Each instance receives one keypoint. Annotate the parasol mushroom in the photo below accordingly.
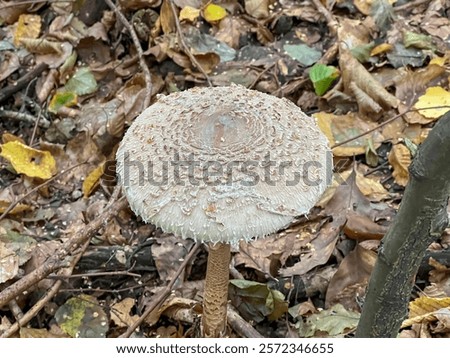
(221, 165)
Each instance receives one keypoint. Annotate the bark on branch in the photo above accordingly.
(421, 219)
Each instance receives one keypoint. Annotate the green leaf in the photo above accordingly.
(335, 321)
(322, 77)
(302, 53)
(82, 82)
(362, 52)
(255, 301)
(82, 317)
(62, 98)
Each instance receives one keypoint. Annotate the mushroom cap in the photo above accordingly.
(223, 164)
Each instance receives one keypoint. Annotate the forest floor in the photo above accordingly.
(74, 259)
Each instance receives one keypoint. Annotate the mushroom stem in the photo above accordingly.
(214, 320)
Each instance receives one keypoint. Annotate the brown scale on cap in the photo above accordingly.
(216, 165)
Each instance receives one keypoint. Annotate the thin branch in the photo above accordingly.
(185, 47)
(163, 294)
(382, 124)
(22, 82)
(410, 5)
(140, 52)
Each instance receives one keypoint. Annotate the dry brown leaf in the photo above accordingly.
(371, 187)
(28, 27)
(167, 19)
(348, 284)
(361, 228)
(340, 128)
(400, 159)
(425, 309)
(259, 9)
(168, 253)
(230, 29)
(370, 94)
(9, 65)
(121, 313)
(365, 6)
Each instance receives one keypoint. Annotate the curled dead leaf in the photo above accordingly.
(400, 159)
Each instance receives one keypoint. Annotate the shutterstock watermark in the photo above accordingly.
(191, 170)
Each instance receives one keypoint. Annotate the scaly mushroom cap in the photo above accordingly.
(223, 164)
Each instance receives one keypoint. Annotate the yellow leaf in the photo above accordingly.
(28, 26)
(29, 161)
(19, 208)
(338, 128)
(424, 309)
(440, 61)
(382, 48)
(213, 13)
(189, 13)
(92, 180)
(400, 159)
(434, 97)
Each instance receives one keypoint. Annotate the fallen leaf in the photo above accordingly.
(259, 9)
(19, 208)
(189, 13)
(62, 99)
(348, 285)
(339, 128)
(82, 317)
(359, 227)
(28, 26)
(29, 161)
(26, 332)
(334, 322)
(434, 97)
(358, 82)
(121, 313)
(166, 18)
(322, 77)
(304, 54)
(82, 82)
(400, 159)
(256, 301)
(92, 180)
(424, 309)
(213, 13)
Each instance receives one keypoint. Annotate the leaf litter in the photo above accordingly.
(355, 69)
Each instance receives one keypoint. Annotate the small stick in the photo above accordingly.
(185, 47)
(137, 45)
(25, 117)
(22, 82)
(410, 4)
(163, 294)
(240, 326)
(383, 124)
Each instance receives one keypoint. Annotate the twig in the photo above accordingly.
(331, 21)
(185, 47)
(240, 326)
(260, 75)
(94, 274)
(409, 5)
(22, 82)
(25, 117)
(383, 124)
(163, 294)
(33, 135)
(15, 203)
(140, 52)
(54, 261)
